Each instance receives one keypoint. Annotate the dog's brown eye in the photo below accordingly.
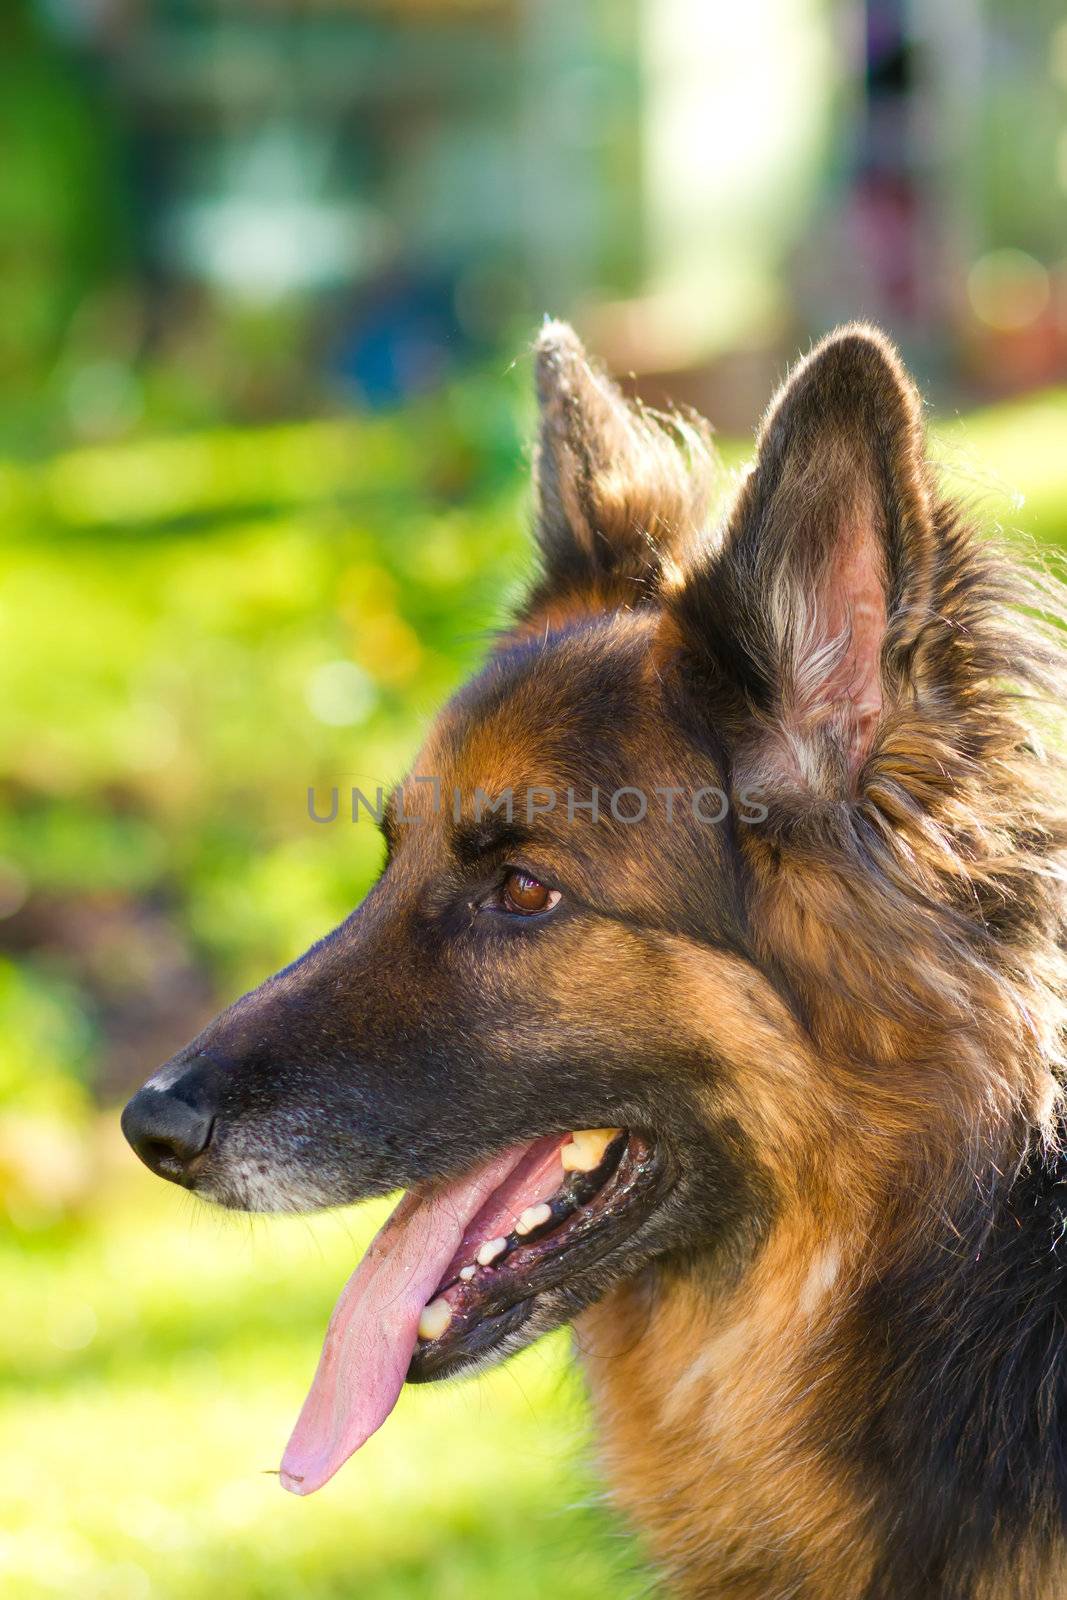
(526, 895)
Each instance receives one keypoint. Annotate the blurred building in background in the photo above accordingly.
(263, 206)
(399, 175)
(350, 197)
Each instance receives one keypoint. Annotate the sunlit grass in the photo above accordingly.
(153, 1360)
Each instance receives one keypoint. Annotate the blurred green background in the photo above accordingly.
(268, 272)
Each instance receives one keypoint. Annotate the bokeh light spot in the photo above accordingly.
(1008, 290)
(341, 694)
(73, 1326)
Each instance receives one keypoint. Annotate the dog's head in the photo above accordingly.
(649, 868)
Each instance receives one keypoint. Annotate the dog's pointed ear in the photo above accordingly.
(618, 487)
(818, 593)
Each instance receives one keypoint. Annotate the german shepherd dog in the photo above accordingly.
(764, 1097)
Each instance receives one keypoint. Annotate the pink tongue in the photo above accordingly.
(374, 1326)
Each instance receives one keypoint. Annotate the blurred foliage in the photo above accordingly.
(61, 224)
(193, 632)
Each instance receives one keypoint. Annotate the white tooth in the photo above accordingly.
(533, 1217)
(435, 1319)
(467, 1273)
(586, 1148)
(489, 1251)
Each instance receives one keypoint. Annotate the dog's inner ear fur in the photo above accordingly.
(620, 490)
(813, 602)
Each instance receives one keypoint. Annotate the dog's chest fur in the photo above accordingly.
(820, 1433)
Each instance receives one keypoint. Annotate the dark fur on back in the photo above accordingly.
(972, 1392)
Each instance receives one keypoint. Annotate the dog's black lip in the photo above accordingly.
(505, 1302)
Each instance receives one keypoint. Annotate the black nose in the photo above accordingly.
(169, 1127)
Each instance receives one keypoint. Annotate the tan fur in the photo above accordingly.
(915, 1046)
(619, 487)
(704, 1400)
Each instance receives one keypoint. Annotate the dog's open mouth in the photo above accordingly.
(457, 1272)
